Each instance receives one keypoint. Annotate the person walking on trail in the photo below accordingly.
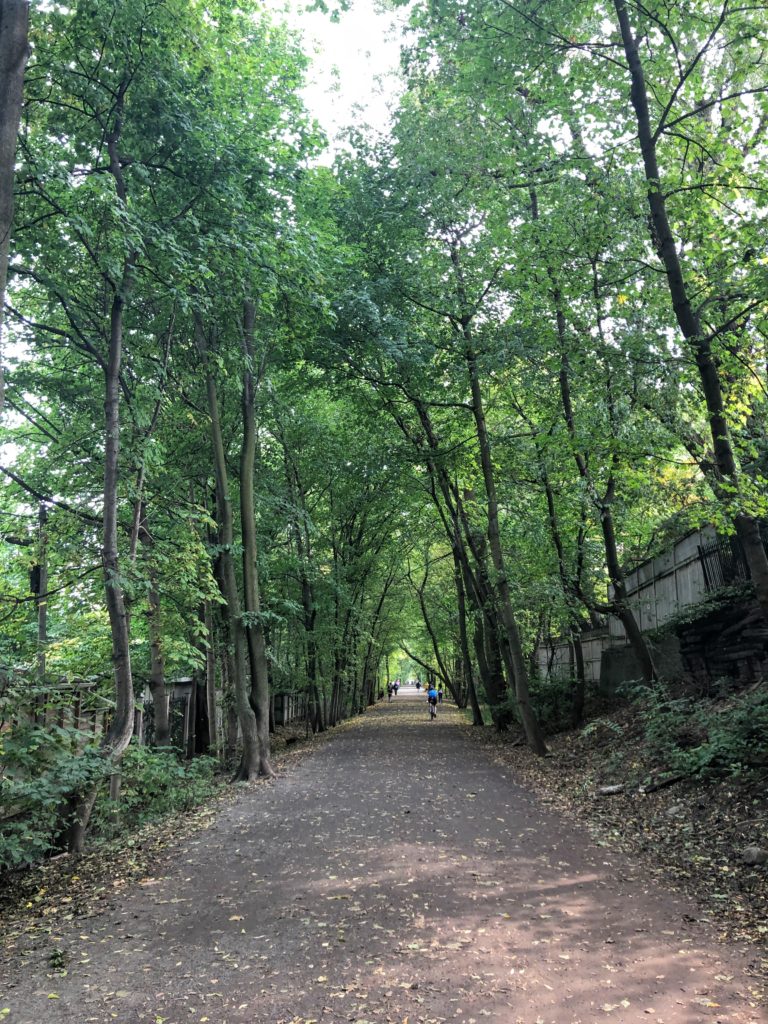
(390, 688)
(396, 686)
(432, 701)
(440, 694)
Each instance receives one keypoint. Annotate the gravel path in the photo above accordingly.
(394, 875)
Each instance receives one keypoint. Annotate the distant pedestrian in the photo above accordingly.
(440, 694)
(390, 689)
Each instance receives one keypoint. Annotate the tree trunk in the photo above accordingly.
(490, 668)
(620, 601)
(443, 670)
(257, 648)
(333, 705)
(466, 657)
(118, 735)
(688, 319)
(366, 694)
(318, 705)
(530, 723)
(479, 590)
(41, 591)
(572, 585)
(309, 608)
(459, 533)
(621, 608)
(570, 593)
(157, 687)
(249, 764)
(579, 687)
(120, 730)
(210, 679)
(369, 683)
(310, 613)
(14, 49)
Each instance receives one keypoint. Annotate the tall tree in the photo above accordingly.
(724, 470)
(14, 31)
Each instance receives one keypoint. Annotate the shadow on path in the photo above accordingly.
(396, 874)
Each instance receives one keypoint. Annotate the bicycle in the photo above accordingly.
(432, 711)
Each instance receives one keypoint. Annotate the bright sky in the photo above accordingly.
(355, 63)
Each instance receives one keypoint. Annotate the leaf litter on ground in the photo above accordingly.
(37, 903)
(689, 835)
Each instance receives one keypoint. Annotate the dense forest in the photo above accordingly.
(283, 425)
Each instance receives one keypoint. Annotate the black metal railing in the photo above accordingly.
(723, 563)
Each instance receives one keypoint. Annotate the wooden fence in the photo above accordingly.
(554, 658)
(658, 590)
(663, 586)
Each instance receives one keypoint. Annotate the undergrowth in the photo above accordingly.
(692, 737)
(41, 767)
(155, 783)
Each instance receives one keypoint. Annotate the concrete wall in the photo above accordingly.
(619, 664)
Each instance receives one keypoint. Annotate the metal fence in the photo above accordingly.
(723, 563)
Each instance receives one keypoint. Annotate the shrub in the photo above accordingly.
(40, 767)
(552, 700)
(695, 738)
(155, 783)
(600, 731)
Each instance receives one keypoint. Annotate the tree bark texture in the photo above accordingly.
(533, 733)
(249, 763)
(466, 657)
(14, 49)
(257, 648)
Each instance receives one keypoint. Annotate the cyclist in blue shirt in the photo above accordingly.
(432, 699)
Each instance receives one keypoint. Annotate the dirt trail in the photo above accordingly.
(395, 874)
